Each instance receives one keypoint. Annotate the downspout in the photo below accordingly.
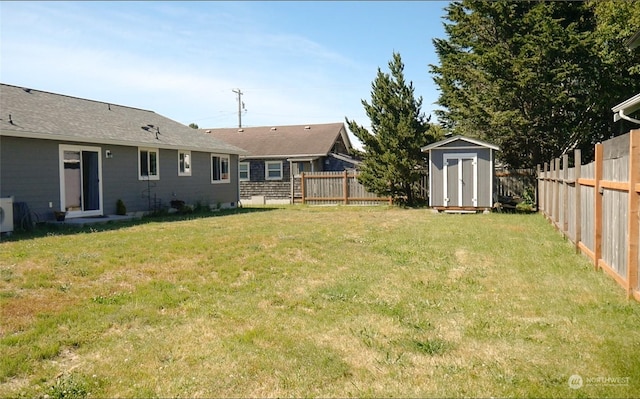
(239, 203)
(622, 115)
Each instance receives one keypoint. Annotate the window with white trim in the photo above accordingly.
(184, 163)
(243, 171)
(219, 168)
(148, 161)
(273, 170)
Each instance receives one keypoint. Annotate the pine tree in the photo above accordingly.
(392, 159)
(528, 76)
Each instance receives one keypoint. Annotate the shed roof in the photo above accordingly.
(284, 141)
(43, 115)
(462, 138)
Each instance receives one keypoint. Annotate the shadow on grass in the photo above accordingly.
(46, 229)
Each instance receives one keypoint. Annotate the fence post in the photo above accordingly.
(597, 250)
(546, 190)
(345, 188)
(633, 227)
(302, 186)
(565, 195)
(578, 198)
(538, 194)
(554, 189)
(556, 194)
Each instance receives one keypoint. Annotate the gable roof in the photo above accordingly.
(43, 115)
(284, 141)
(462, 138)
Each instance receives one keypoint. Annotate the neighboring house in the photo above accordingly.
(62, 153)
(632, 105)
(626, 108)
(275, 155)
(461, 174)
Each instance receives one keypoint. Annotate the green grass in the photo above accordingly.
(314, 302)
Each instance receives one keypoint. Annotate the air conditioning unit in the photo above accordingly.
(6, 215)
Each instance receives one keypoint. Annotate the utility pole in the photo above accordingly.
(240, 106)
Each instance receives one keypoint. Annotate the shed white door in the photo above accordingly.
(460, 180)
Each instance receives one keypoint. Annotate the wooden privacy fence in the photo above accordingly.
(335, 188)
(515, 182)
(596, 205)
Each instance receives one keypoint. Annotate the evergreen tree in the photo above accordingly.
(392, 158)
(528, 76)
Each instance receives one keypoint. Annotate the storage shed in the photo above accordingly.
(461, 174)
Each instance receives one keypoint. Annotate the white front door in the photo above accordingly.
(80, 180)
(460, 180)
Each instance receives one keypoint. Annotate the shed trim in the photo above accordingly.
(458, 137)
(445, 193)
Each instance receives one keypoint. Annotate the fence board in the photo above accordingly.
(571, 200)
(586, 212)
(614, 231)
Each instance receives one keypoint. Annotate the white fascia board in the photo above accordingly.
(622, 110)
(628, 106)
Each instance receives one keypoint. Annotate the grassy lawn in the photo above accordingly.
(325, 301)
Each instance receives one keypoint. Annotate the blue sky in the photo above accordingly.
(296, 62)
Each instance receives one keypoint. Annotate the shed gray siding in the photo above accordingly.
(30, 172)
(485, 173)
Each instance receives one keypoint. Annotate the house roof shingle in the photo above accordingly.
(283, 141)
(39, 114)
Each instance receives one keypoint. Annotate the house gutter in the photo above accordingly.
(297, 156)
(106, 141)
(631, 105)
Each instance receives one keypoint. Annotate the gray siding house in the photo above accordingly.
(62, 153)
(277, 154)
(461, 174)
(632, 105)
